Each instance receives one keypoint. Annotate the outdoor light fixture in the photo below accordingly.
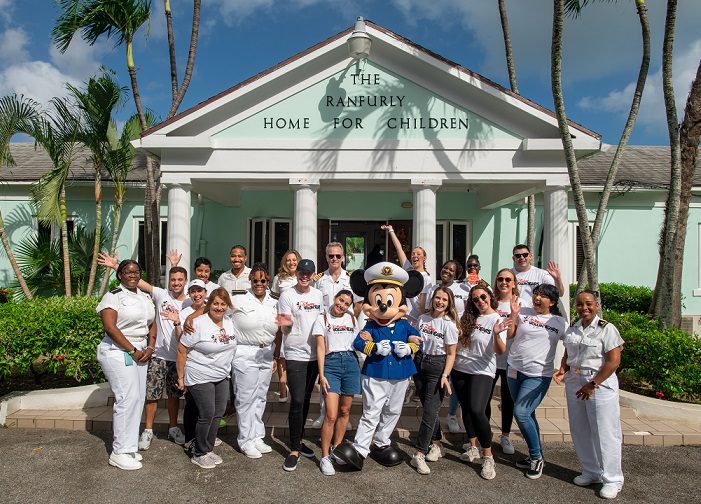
(359, 42)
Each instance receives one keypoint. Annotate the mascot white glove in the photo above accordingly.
(401, 349)
(383, 348)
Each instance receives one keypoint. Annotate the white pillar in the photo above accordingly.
(179, 199)
(305, 219)
(425, 220)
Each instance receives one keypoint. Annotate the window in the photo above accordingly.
(141, 250)
(577, 252)
(453, 241)
(53, 231)
(268, 240)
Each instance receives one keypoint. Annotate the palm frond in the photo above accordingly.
(18, 114)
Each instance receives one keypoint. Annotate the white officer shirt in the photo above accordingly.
(135, 311)
(255, 322)
(586, 346)
(338, 332)
(528, 280)
(281, 285)
(232, 282)
(479, 358)
(330, 287)
(436, 333)
(212, 349)
(298, 344)
(166, 347)
(533, 349)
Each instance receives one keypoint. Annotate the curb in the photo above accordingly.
(649, 407)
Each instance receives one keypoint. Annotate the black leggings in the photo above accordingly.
(507, 403)
(473, 393)
(301, 378)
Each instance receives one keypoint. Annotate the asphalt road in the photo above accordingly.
(46, 466)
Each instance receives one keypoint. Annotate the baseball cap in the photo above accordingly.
(196, 283)
(306, 265)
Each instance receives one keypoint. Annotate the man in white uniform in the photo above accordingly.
(236, 279)
(529, 276)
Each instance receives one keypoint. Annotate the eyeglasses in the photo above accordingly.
(521, 256)
(504, 279)
(476, 299)
(131, 273)
(259, 281)
(335, 256)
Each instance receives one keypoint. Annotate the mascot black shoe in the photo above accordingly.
(388, 456)
(347, 453)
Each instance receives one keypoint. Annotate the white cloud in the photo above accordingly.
(13, 45)
(6, 8)
(234, 11)
(38, 80)
(80, 60)
(652, 109)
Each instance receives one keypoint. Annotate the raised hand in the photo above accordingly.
(104, 259)
(554, 270)
(173, 316)
(174, 257)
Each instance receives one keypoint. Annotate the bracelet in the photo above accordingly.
(149, 348)
(594, 384)
(176, 324)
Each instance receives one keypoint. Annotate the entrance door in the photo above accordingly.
(361, 240)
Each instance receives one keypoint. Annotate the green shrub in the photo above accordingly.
(661, 362)
(622, 298)
(60, 333)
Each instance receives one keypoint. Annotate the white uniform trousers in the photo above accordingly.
(595, 425)
(128, 384)
(253, 369)
(383, 401)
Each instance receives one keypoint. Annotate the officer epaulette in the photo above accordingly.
(274, 295)
(349, 272)
(116, 291)
(317, 277)
(603, 323)
(238, 292)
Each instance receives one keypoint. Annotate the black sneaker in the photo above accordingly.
(305, 451)
(291, 463)
(524, 464)
(536, 469)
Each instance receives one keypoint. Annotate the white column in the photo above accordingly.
(425, 220)
(305, 219)
(179, 199)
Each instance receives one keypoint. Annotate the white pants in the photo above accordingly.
(253, 369)
(595, 425)
(128, 384)
(382, 406)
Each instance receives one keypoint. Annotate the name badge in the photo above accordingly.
(512, 373)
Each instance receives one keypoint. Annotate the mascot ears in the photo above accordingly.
(414, 285)
(358, 283)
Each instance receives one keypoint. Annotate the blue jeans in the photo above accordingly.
(528, 392)
(342, 371)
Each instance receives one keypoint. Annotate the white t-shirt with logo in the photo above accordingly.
(533, 349)
(460, 295)
(338, 332)
(436, 333)
(166, 347)
(298, 344)
(480, 358)
(212, 350)
(528, 280)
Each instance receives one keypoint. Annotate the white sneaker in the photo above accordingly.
(506, 445)
(336, 459)
(609, 491)
(488, 468)
(453, 424)
(203, 461)
(252, 452)
(418, 461)
(471, 454)
(145, 439)
(137, 456)
(326, 466)
(176, 435)
(217, 442)
(262, 447)
(583, 480)
(124, 461)
(316, 424)
(349, 426)
(215, 458)
(434, 453)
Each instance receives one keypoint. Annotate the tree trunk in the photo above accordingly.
(98, 232)
(510, 64)
(571, 160)
(666, 293)
(171, 52)
(530, 229)
(13, 261)
(113, 247)
(190, 59)
(64, 242)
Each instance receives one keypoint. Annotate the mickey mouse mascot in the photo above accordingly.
(389, 341)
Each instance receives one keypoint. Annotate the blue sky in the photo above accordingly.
(239, 38)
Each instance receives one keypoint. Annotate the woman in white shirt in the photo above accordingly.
(339, 371)
(439, 334)
(592, 355)
(204, 366)
(482, 339)
(130, 335)
(530, 366)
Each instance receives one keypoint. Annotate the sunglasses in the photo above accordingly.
(335, 256)
(504, 279)
(473, 265)
(521, 256)
(256, 281)
(483, 297)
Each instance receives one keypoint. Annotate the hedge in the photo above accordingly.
(56, 335)
(621, 298)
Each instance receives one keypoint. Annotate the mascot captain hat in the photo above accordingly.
(386, 272)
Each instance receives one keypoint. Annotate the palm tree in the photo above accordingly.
(96, 104)
(574, 7)
(17, 115)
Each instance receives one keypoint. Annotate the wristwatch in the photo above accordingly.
(596, 385)
(132, 351)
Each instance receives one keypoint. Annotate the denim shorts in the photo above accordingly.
(342, 371)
